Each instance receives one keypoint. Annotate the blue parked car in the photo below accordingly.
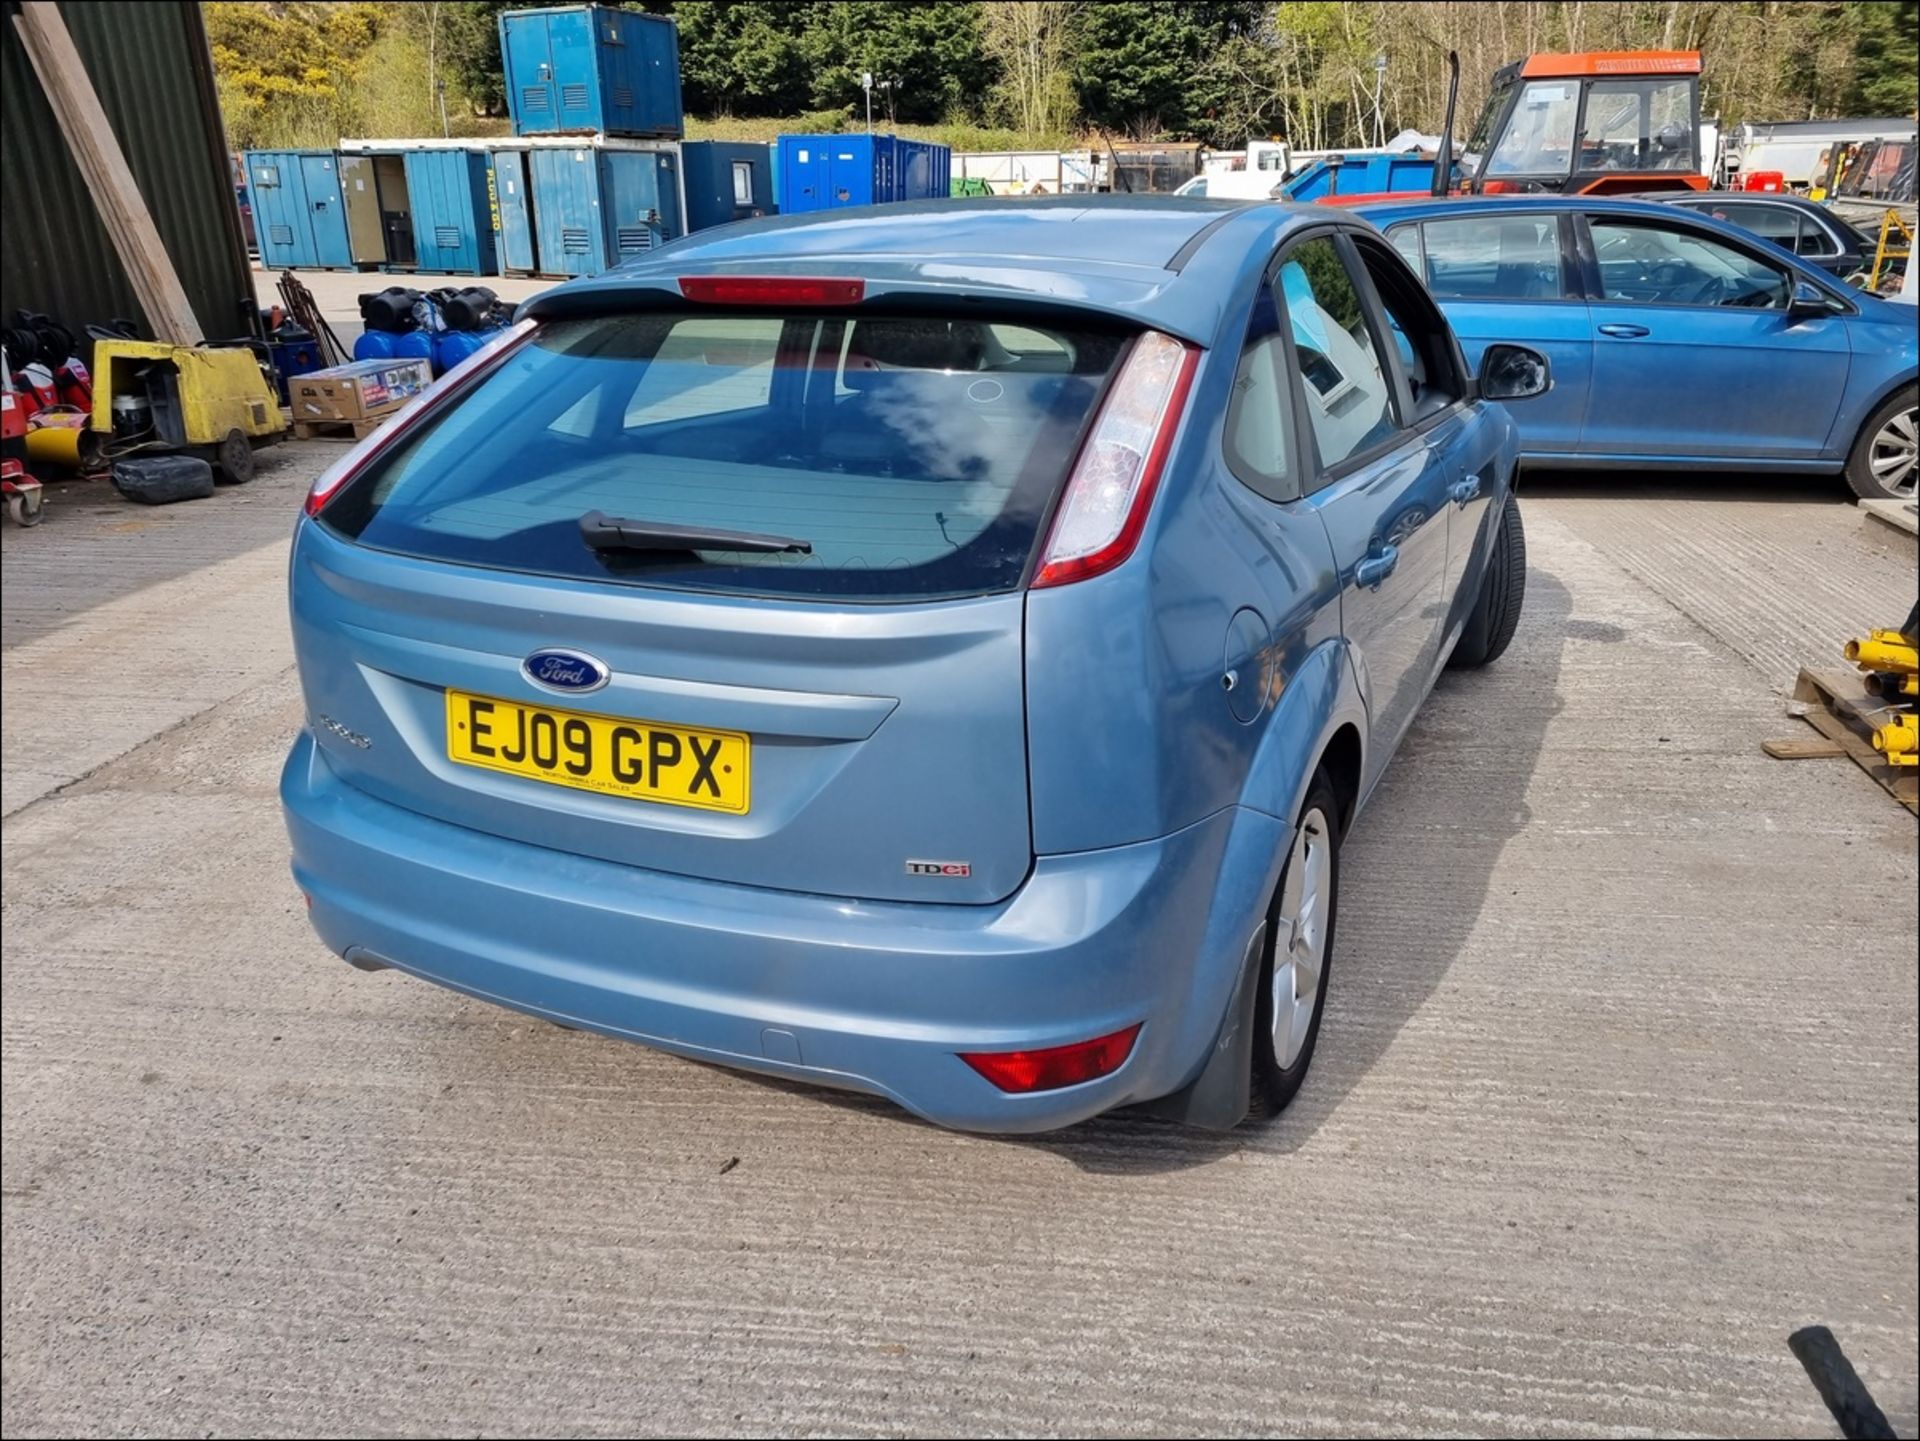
(934, 649)
(1675, 338)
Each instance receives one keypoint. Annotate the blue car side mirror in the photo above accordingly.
(1513, 372)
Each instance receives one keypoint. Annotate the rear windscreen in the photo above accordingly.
(915, 457)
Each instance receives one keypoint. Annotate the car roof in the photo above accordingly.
(1159, 260)
(1389, 212)
(1742, 197)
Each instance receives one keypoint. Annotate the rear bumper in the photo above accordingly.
(868, 996)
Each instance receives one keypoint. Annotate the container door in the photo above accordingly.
(395, 199)
(529, 65)
(279, 211)
(654, 73)
(566, 212)
(480, 216)
(622, 55)
(516, 211)
(576, 81)
(326, 212)
(803, 174)
(436, 232)
(640, 205)
(361, 193)
(852, 173)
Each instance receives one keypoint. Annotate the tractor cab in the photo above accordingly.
(1591, 124)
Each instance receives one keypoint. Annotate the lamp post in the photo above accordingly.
(866, 84)
(1379, 114)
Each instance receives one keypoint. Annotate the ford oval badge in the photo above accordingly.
(570, 672)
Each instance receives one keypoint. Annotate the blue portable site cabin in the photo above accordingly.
(591, 69)
(299, 211)
(452, 211)
(595, 205)
(824, 172)
(725, 181)
(513, 201)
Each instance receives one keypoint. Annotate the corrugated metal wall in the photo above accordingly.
(151, 68)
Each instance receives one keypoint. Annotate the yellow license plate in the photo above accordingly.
(643, 760)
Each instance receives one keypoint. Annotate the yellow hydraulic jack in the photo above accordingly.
(1891, 659)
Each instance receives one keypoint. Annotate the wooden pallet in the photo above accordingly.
(336, 429)
(1837, 704)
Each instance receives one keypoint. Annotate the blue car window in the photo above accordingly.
(1501, 257)
(915, 455)
(1349, 397)
(1259, 428)
(1654, 265)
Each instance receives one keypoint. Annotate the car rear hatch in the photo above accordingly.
(815, 684)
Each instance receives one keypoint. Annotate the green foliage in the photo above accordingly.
(1886, 55)
(926, 59)
(1150, 68)
(1000, 74)
(469, 52)
(745, 57)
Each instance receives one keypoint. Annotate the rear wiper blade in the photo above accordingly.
(612, 532)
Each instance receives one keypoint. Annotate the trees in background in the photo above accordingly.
(305, 72)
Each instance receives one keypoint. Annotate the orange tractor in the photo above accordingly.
(1601, 123)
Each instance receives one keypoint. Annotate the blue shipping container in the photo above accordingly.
(513, 195)
(452, 213)
(299, 212)
(725, 181)
(823, 172)
(591, 68)
(923, 172)
(594, 207)
(1361, 175)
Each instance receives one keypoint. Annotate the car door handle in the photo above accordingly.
(1377, 566)
(1462, 491)
(1624, 332)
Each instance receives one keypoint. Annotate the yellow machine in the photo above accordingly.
(211, 400)
(1891, 658)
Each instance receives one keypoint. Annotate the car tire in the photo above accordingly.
(1496, 614)
(1299, 944)
(1882, 465)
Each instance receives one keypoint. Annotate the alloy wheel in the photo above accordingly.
(1300, 936)
(1894, 456)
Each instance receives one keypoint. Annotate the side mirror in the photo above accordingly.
(1513, 372)
(1809, 302)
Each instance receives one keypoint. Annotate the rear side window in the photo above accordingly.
(915, 456)
(1503, 257)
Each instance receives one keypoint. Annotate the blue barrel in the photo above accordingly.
(414, 345)
(451, 347)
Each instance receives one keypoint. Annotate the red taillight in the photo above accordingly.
(1104, 507)
(1056, 1066)
(454, 383)
(771, 290)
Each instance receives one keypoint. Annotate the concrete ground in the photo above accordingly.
(1616, 1087)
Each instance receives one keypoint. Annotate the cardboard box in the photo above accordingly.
(363, 390)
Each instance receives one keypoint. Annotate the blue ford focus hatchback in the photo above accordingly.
(931, 650)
